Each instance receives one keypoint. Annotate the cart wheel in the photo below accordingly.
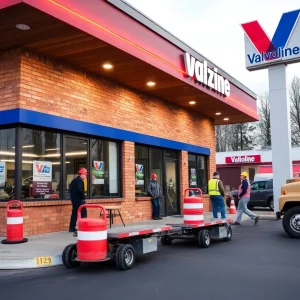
(125, 257)
(166, 240)
(229, 234)
(204, 238)
(68, 257)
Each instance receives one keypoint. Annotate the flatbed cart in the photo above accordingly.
(194, 227)
(123, 244)
(203, 233)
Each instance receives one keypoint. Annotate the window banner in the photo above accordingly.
(193, 181)
(2, 174)
(98, 172)
(139, 174)
(42, 178)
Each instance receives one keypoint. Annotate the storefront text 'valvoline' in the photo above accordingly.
(279, 53)
(243, 159)
(205, 75)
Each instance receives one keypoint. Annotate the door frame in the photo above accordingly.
(163, 177)
(64, 167)
(177, 186)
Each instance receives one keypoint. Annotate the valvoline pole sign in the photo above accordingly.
(261, 51)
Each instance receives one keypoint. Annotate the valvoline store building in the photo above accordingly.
(257, 163)
(96, 84)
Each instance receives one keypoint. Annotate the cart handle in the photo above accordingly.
(91, 206)
(193, 189)
(13, 201)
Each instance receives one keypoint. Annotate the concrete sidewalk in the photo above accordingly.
(45, 250)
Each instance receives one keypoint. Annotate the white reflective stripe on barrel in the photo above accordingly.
(14, 220)
(193, 217)
(192, 205)
(92, 235)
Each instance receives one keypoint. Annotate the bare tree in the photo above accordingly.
(242, 137)
(263, 129)
(295, 110)
(234, 137)
(221, 138)
(245, 136)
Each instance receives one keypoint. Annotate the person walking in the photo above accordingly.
(244, 198)
(77, 199)
(216, 194)
(155, 193)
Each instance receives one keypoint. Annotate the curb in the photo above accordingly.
(29, 263)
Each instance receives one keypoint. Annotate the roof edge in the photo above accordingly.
(148, 22)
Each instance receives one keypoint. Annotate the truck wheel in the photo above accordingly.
(271, 204)
(69, 255)
(291, 222)
(229, 234)
(204, 238)
(166, 240)
(125, 257)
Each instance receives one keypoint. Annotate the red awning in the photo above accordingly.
(265, 169)
(269, 169)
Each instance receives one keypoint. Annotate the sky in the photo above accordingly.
(212, 28)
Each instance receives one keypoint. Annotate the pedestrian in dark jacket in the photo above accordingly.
(77, 198)
(155, 193)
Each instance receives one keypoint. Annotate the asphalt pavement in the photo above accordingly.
(260, 262)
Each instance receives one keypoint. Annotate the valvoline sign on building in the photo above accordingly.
(261, 51)
(99, 165)
(42, 169)
(243, 159)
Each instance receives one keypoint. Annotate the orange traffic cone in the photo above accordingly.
(232, 209)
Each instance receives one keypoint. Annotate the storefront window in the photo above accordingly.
(170, 154)
(7, 163)
(202, 173)
(141, 170)
(147, 161)
(76, 157)
(198, 172)
(163, 163)
(104, 169)
(156, 164)
(41, 164)
(48, 156)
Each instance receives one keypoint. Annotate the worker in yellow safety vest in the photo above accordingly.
(216, 194)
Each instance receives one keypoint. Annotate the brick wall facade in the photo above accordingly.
(32, 81)
(10, 74)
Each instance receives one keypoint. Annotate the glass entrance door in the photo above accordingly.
(171, 187)
(164, 163)
(76, 158)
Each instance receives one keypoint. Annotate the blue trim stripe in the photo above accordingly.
(45, 120)
(284, 28)
(9, 117)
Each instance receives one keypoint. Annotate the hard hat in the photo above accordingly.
(154, 176)
(83, 171)
(244, 174)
